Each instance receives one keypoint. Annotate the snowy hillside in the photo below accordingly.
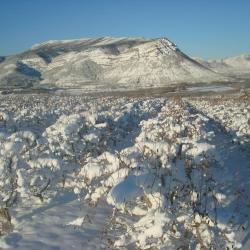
(124, 173)
(233, 66)
(241, 62)
(104, 63)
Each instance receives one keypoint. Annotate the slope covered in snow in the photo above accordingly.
(241, 62)
(104, 63)
(238, 66)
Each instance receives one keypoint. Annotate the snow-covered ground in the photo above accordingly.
(83, 172)
(232, 113)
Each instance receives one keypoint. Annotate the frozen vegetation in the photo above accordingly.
(124, 173)
(232, 114)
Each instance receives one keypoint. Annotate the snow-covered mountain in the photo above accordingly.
(233, 66)
(104, 63)
(241, 62)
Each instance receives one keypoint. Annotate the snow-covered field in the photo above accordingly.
(83, 172)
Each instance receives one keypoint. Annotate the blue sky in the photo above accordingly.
(204, 28)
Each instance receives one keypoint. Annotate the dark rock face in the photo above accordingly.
(2, 58)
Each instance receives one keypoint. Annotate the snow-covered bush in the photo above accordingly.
(233, 115)
(166, 180)
(153, 161)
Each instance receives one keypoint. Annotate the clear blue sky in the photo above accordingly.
(204, 28)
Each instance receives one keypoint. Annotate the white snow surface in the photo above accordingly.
(82, 172)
